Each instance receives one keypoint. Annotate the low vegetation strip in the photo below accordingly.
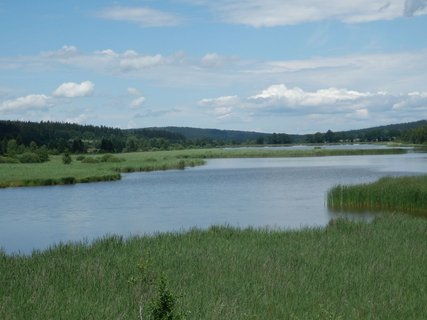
(90, 168)
(396, 194)
(348, 270)
(283, 153)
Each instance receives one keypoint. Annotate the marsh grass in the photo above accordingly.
(348, 270)
(395, 194)
(108, 167)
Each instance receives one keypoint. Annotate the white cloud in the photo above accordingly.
(362, 113)
(297, 96)
(222, 112)
(80, 119)
(221, 107)
(270, 13)
(212, 60)
(134, 92)
(131, 61)
(73, 90)
(145, 17)
(136, 103)
(220, 101)
(26, 102)
(65, 52)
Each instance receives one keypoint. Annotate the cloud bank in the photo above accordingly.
(335, 104)
(145, 17)
(26, 102)
(272, 13)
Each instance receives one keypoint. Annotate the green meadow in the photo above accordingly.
(347, 270)
(55, 171)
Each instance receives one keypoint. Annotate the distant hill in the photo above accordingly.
(380, 133)
(396, 129)
(212, 134)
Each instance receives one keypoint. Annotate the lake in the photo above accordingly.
(279, 193)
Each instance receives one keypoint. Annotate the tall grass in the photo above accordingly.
(401, 194)
(347, 270)
(94, 168)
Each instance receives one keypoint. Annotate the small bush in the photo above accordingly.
(42, 153)
(110, 158)
(29, 157)
(8, 160)
(66, 158)
(163, 306)
(80, 158)
(90, 160)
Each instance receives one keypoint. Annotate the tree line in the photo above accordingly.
(33, 142)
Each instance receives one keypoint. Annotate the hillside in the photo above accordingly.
(381, 133)
(213, 134)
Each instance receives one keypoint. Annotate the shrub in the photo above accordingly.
(29, 157)
(110, 158)
(90, 160)
(163, 306)
(8, 160)
(66, 158)
(42, 153)
(104, 158)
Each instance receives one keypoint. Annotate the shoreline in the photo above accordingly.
(53, 172)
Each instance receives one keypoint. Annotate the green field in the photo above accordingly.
(55, 172)
(347, 270)
(395, 194)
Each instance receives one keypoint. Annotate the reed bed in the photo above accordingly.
(348, 270)
(395, 194)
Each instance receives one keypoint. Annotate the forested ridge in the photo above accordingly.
(26, 141)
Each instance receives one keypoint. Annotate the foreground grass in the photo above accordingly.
(347, 270)
(402, 194)
(55, 172)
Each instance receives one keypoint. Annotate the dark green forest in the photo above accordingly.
(33, 142)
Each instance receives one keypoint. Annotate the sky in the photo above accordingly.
(294, 66)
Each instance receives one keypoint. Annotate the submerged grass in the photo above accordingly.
(348, 270)
(396, 194)
(92, 168)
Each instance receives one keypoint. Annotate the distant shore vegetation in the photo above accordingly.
(85, 168)
(33, 142)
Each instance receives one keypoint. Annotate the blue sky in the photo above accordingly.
(295, 66)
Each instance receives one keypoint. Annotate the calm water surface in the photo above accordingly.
(285, 193)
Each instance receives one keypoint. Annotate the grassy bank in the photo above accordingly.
(395, 194)
(55, 172)
(347, 270)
